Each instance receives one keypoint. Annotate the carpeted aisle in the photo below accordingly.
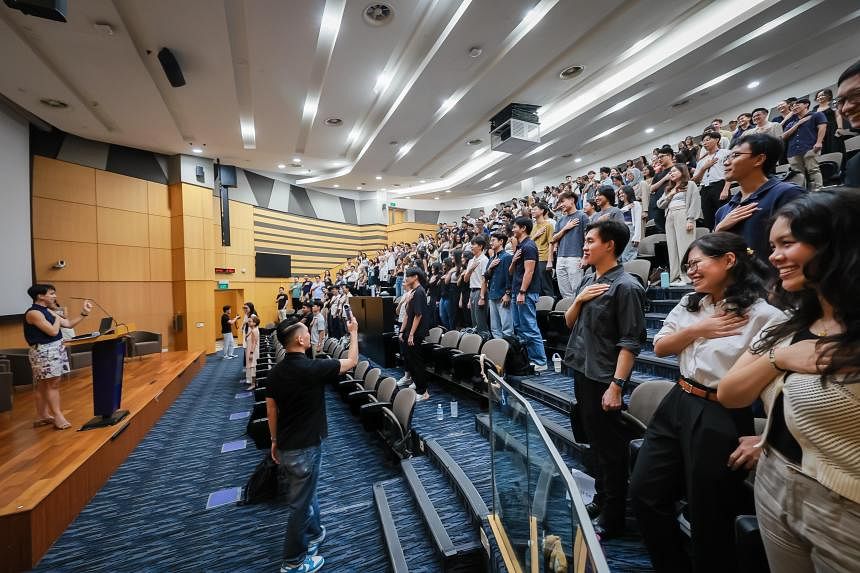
(151, 515)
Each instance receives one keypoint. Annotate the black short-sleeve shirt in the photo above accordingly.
(225, 324)
(418, 307)
(282, 300)
(297, 385)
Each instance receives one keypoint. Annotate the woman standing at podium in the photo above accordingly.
(48, 357)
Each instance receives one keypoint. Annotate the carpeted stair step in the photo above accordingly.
(655, 319)
(672, 293)
(663, 305)
(648, 363)
(408, 546)
(449, 525)
(472, 453)
(455, 475)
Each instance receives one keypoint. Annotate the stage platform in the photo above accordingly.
(47, 476)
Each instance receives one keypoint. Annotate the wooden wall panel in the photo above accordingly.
(160, 265)
(158, 199)
(53, 179)
(196, 201)
(118, 227)
(192, 232)
(241, 216)
(81, 261)
(159, 232)
(123, 263)
(121, 192)
(195, 265)
(64, 221)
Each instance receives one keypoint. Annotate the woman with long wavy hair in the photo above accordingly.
(692, 442)
(806, 369)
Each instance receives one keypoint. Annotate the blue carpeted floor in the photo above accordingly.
(151, 516)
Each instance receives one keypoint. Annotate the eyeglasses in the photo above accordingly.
(693, 265)
(735, 154)
(853, 97)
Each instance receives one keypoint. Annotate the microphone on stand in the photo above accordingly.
(100, 307)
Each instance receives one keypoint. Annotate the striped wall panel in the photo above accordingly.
(315, 245)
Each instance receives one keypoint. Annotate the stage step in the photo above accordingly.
(402, 528)
(449, 527)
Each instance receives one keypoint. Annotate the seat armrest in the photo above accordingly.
(359, 394)
(373, 408)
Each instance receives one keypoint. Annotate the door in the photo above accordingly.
(396, 215)
(233, 297)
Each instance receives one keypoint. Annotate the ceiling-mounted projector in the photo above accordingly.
(515, 129)
(48, 9)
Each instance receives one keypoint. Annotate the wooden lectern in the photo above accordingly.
(108, 355)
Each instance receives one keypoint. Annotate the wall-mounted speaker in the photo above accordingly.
(227, 174)
(171, 68)
(201, 176)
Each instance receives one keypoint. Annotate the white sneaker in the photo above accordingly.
(539, 368)
(422, 397)
(412, 386)
(405, 381)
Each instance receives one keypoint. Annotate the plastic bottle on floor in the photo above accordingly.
(440, 415)
(455, 409)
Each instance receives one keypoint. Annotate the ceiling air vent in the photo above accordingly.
(378, 14)
(679, 104)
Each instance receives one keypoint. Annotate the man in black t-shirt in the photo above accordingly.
(227, 325)
(281, 300)
(295, 405)
(415, 330)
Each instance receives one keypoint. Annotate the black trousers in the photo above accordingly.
(710, 195)
(609, 440)
(687, 446)
(415, 366)
(547, 288)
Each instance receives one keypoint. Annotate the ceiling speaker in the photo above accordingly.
(49, 9)
(171, 68)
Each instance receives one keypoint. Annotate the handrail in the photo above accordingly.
(586, 526)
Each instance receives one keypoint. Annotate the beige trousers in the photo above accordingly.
(805, 526)
(678, 240)
(808, 165)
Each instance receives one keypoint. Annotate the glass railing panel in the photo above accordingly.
(536, 500)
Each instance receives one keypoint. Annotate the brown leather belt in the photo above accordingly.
(696, 391)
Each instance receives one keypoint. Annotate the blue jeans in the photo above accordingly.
(526, 327)
(446, 313)
(398, 286)
(298, 476)
(501, 323)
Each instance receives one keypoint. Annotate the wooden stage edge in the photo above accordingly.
(48, 476)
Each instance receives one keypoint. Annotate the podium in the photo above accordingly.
(108, 360)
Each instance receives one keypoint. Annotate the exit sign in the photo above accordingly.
(223, 285)
(392, 204)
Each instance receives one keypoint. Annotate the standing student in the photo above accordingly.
(227, 325)
(295, 407)
(415, 330)
(804, 136)
(683, 206)
(48, 358)
(296, 292)
(496, 288)
(281, 301)
(317, 328)
(693, 445)
(711, 175)
(806, 369)
(252, 350)
(632, 211)
(541, 234)
(474, 275)
(607, 321)
(569, 236)
(526, 285)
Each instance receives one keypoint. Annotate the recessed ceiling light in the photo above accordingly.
(475, 52)
(54, 103)
(577, 160)
(334, 122)
(379, 177)
(384, 189)
(437, 198)
(423, 181)
(447, 190)
(752, 85)
(196, 150)
(475, 141)
(570, 72)
(649, 130)
(297, 159)
(335, 185)
(407, 197)
(281, 166)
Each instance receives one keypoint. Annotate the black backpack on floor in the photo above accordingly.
(517, 361)
(263, 483)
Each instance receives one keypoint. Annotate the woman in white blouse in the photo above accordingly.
(683, 206)
(806, 369)
(694, 445)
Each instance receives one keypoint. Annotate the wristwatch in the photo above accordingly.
(522, 291)
(508, 292)
(619, 382)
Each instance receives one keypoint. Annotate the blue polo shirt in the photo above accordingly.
(755, 230)
(501, 279)
(806, 135)
(530, 253)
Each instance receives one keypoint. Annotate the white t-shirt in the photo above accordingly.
(707, 360)
(477, 275)
(717, 172)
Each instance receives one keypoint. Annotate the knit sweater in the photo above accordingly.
(824, 421)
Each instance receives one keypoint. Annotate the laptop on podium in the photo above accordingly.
(105, 327)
